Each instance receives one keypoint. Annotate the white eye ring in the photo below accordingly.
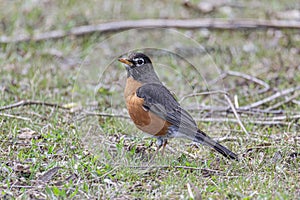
(139, 61)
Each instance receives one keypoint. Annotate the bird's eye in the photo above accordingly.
(139, 61)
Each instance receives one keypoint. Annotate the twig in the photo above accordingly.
(227, 139)
(176, 167)
(236, 114)
(33, 114)
(261, 122)
(227, 109)
(250, 78)
(288, 99)
(215, 80)
(295, 117)
(241, 75)
(221, 24)
(202, 93)
(190, 192)
(87, 113)
(296, 102)
(270, 98)
(14, 116)
(31, 102)
(23, 186)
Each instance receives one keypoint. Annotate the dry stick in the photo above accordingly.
(227, 109)
(278, 118)
(222, 24)
(250, 78)
(244, 76)
(270, 98)
(14, 116)
(208, 108)
(227, 139)
(34, 114)
(214, 81)
(175, 167)
(288, 99)
(212, 108)
(221, 120)
(106, 115)
(294, 117)
(192, 196)
(236, 114)
(201, 93)
(31, 102)
(22, 186)
(296, 102)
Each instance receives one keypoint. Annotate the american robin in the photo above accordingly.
(154, 110)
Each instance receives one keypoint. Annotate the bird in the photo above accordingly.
(154, 109)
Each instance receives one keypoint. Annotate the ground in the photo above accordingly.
(82, 144)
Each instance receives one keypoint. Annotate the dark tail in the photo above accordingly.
(202, 138)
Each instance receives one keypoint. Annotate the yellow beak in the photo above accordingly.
(125, 61)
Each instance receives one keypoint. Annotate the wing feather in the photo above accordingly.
(159, 100)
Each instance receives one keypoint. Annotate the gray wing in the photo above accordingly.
(159, 100)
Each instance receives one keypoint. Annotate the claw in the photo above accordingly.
(161, 143)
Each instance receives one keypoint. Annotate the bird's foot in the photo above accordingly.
(161, 143)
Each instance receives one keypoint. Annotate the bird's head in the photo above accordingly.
(139, 67)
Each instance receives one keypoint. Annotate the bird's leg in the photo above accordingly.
(160, 143)
(165, 142)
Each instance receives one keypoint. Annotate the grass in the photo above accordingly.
(53, 154)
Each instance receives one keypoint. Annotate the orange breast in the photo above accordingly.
(144, 120)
